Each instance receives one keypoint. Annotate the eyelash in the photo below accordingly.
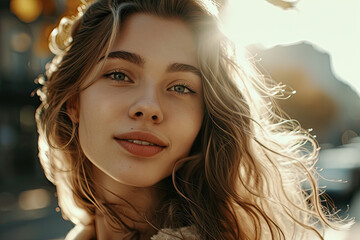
(112, 76)
(186, 86)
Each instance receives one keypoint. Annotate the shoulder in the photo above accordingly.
(186, 233)
(81, 232)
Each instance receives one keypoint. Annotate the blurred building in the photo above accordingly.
(25, 26)
(322, 102)
(27, 200)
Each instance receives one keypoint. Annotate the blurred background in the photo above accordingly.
(311, 46)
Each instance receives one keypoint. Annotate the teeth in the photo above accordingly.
(141, 142)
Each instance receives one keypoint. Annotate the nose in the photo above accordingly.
(147, 108)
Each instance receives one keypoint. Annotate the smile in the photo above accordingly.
(142, 144)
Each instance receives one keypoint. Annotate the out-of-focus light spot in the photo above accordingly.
(27, 117)
(7, 136)
(20, 42)
(7, 201)
(34, 199)
(347, 136)
(26, 10)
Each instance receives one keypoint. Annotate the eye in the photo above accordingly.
(118, 76)
(181, 89)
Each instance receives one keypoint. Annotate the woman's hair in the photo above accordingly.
(250, 173)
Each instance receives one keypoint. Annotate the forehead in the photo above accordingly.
(155, 37)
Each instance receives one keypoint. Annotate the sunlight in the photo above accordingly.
(331, 234)
(331, 26)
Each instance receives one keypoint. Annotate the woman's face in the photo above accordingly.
(145, 108)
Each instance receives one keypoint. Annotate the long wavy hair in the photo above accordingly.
(250, 173)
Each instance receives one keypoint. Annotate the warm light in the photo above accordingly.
(332, 26)
(34, 199)
(41, 48)
(20, 42)
(26, 10)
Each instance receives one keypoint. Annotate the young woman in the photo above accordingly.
(150, 128)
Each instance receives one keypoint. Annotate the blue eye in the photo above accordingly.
(181, 89)
(118, 76)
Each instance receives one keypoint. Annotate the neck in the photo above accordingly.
(105, 231)
(133, 206)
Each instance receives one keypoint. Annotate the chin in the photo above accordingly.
(141, 181)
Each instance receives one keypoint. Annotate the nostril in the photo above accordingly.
(154, 117)
(138, 114)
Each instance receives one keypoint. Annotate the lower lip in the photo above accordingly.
(140, 150)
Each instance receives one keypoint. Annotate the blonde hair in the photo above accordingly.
(245, 175)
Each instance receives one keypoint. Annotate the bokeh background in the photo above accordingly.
(312, 46)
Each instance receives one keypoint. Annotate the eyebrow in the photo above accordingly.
(181, 67)
(140, 61)
(127, 56)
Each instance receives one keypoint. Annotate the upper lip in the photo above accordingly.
(142, 136)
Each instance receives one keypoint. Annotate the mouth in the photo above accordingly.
(141, 144)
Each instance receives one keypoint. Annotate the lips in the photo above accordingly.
(141, 144)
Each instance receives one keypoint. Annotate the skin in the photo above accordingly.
(123, 89)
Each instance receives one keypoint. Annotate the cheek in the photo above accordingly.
(99, 107)
(187, 125)
(90, 111)
(96, 113)
(88, 128)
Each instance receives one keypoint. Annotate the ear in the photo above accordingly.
(72, 109)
